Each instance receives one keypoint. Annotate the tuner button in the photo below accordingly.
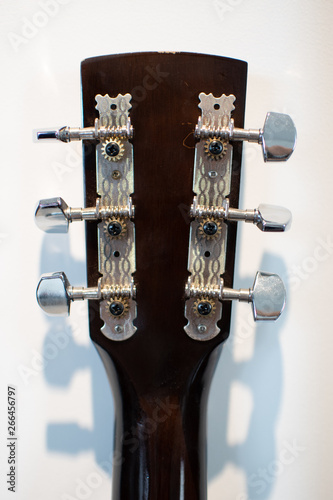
(268, 296)
(273, 218)
(52, 294)
(50, 215)
(278, 137)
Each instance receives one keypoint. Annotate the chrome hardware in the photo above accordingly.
(267, 296)
(112, 123)
(53, 215)
(96, 133)
(277, 137)
(268, 218)
(55, 295)
(114, 210)
(115, 184)
(52, 295)
(210, 209)
(211, 185)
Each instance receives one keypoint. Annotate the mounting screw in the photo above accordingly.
(204, 308)
(116, 174)
(118, 329)
(210, 228)
(116, 308)
(215, 148)
(202, 328)
(112, 149)
(114, 228)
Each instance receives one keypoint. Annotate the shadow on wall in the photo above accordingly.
(262, 375)
(70, 438)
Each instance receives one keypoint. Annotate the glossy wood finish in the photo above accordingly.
(160, 377)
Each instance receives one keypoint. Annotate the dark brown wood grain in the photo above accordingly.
(160, 377)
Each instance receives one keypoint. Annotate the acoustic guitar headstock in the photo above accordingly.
(162, 146)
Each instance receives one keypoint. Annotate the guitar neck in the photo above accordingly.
(160, 437)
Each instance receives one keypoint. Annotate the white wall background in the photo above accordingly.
(270, 412)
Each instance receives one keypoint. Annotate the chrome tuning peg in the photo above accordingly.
(53, 215)
(267, 295)
(203, 307)
(277, 137)
(268, 218)
(55, 294)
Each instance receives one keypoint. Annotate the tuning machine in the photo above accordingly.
(53, 215)
(267, 295)
(268, 218)
(204, 307)
(55, 295)
(277, 137)
(100, 132)
(115, 231)
(210, 211)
